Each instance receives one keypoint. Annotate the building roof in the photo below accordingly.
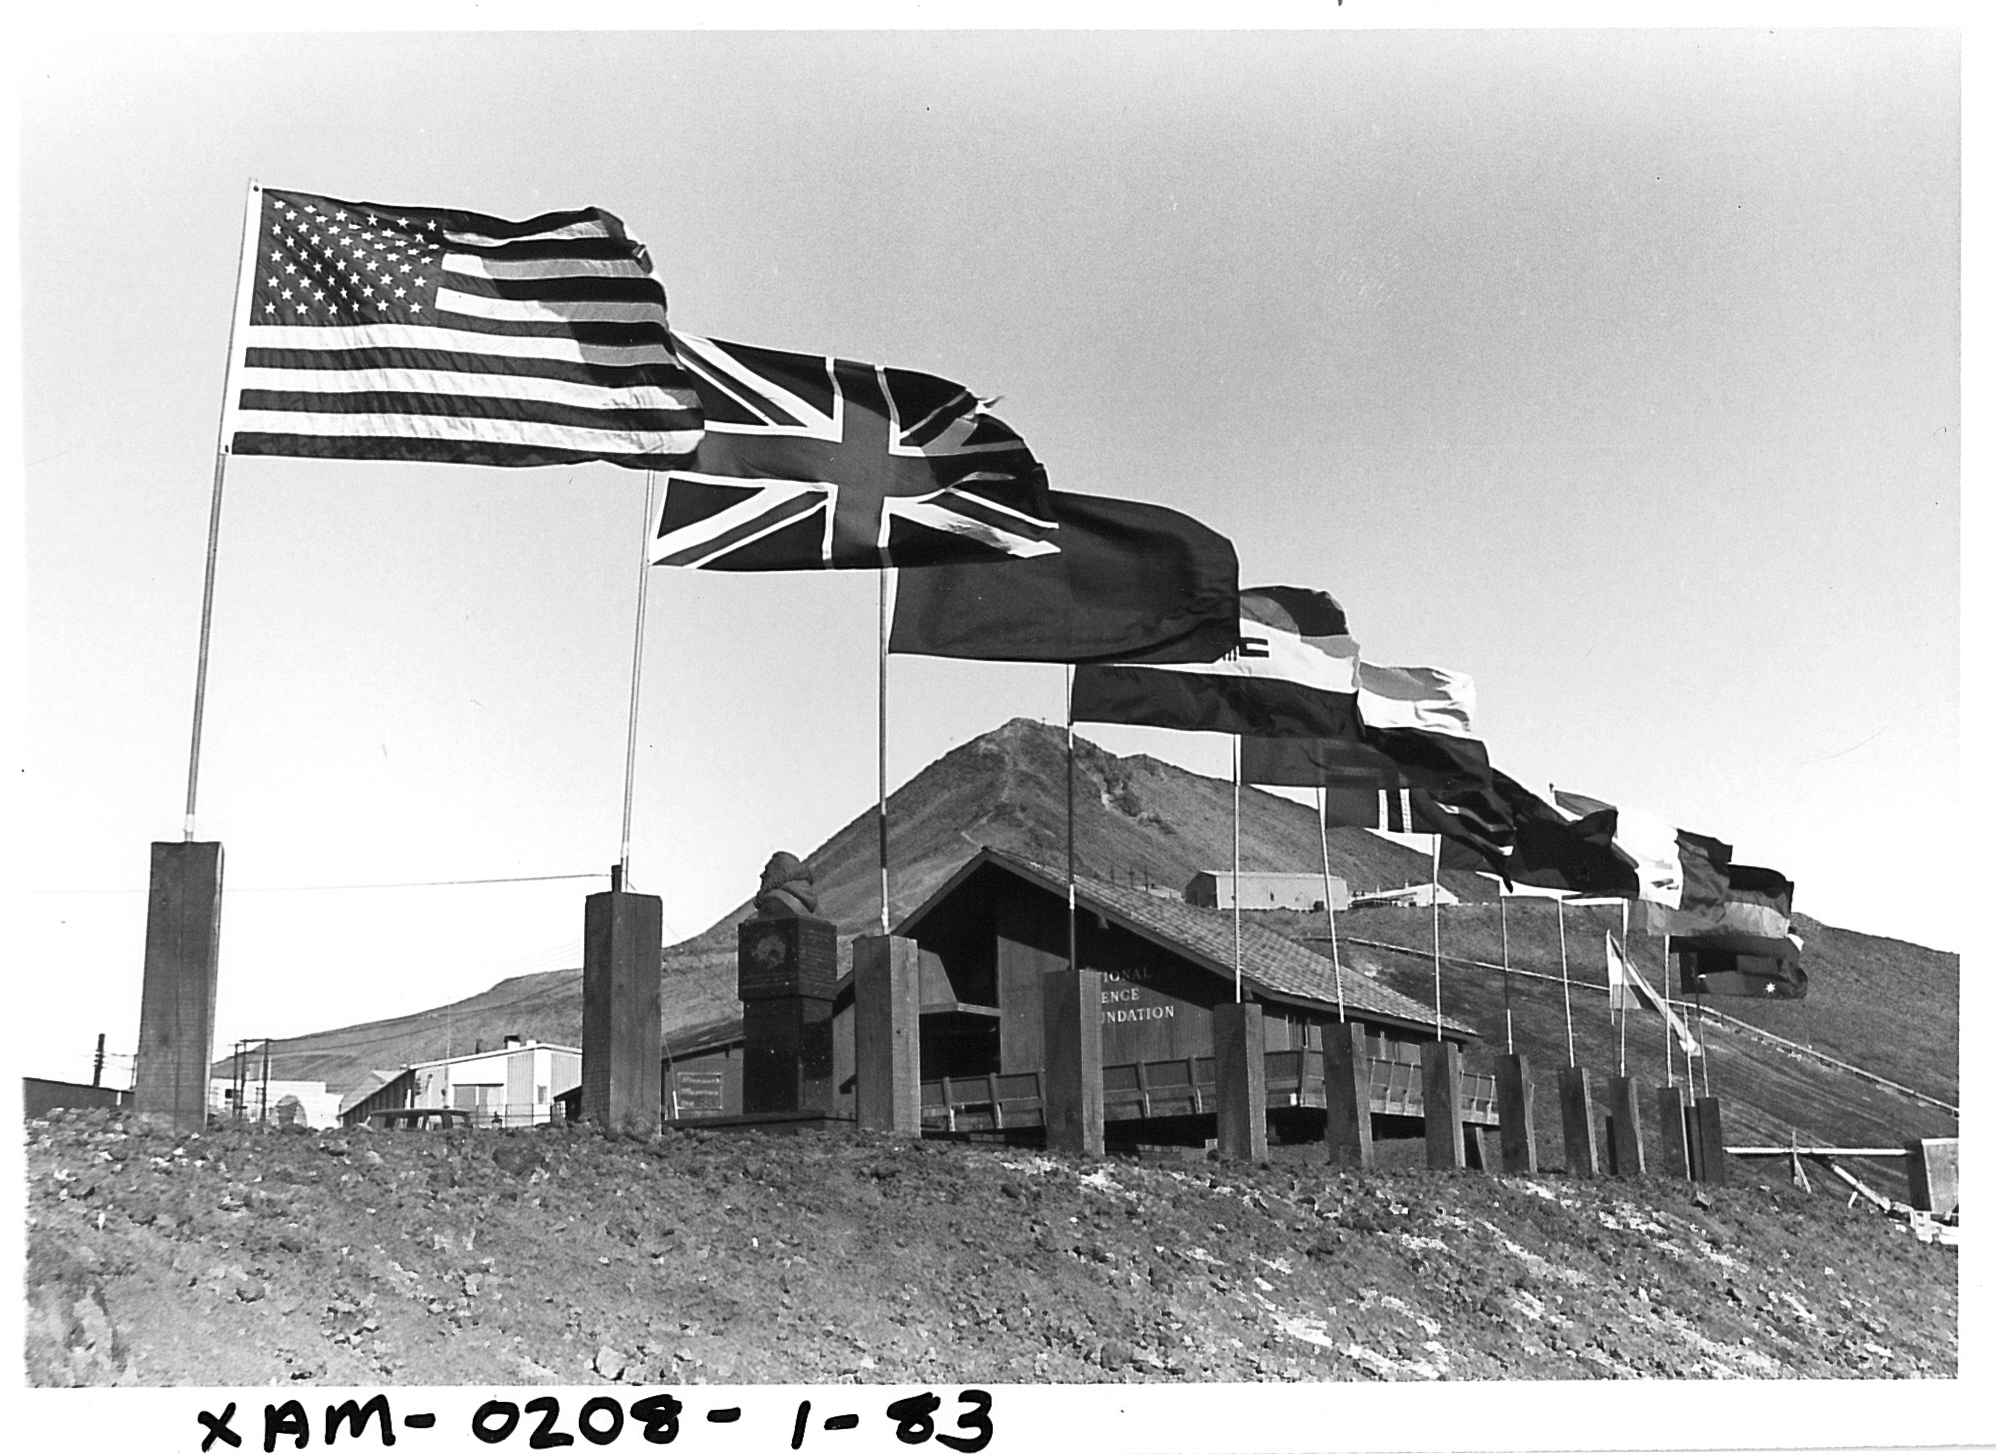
(1274, 967)
(500, 1049)
(1218, 874)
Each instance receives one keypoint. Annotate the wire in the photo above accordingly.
(434, 883)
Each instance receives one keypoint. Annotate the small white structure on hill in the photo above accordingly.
(1413, 896)
(1213, 888)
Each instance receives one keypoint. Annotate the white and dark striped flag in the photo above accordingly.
(423, 333)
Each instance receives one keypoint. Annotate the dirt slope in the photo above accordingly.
(558, 1256)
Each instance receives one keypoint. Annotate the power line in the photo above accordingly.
(435, 883)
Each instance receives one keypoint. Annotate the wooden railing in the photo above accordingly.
(1154, 1089)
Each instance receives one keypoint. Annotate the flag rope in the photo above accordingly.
(637, 676)
(1330, 908)
(244, 279)
(1565, 983)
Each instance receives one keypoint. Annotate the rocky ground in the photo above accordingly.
(557, 1256)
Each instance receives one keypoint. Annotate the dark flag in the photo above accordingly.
(1131, 581)
(1414, 732)
(1674, 868)
(1294, 673)
(1757, 902)
(816, 463)
(1708, 967)
(424, 333)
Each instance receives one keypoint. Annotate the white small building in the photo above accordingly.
(514, 1085)
(275, 1102)
(1213, 888)
(1413, 896)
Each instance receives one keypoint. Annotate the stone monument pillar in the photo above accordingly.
(787, 966)
(622, 942)
(177, 999)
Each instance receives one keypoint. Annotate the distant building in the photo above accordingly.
(39, 1097)
(1413, 896)
(515, 1085)
(274, 1102)
(1213, 888)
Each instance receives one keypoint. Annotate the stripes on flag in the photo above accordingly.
(430, 334)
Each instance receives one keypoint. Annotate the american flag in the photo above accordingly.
(422, 333)
(817, 463)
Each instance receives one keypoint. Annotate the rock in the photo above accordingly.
(1116, 1354)
(250, 1290)
(517, 1157)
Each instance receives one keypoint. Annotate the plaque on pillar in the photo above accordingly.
(787, 969)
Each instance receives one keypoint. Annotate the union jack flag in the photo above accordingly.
(815, 463)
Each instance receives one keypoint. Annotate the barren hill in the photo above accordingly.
(1888, 1007)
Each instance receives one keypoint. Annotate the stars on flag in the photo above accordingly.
(347, 260)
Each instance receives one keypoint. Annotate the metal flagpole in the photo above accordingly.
(1073, 916)
(1622, 1045)
(1504, 929)
(884, 570)
(1669, 1073)
(1435, 899)
(1330, 909)
(1565, 984)
(245, 281)
(637, 675)
(1237, 869)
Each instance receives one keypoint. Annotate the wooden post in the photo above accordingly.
(1441, 1103)
(1933, 1175)
(1625, 1127)
(887, 1034)
(1711, 1141)
(1670, 1134)
(1240, 1073)
(1072, 1088)
(1517, 1114)
(177, 996)
(1576, 1117)
(1347, 1096)
(622, 938)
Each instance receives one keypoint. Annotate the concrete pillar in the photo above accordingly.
(1670, 1134)
(1933, 1175)
(1441, 1104)
(887, 1034)
(622, 936)
(787, 971)
(1517, 1114)
(1240, 1074)
(1576, 1119)
(1071, 1081)
(1711, 1141)
(1625, 1127)
(177, 999)
(1347, 1096)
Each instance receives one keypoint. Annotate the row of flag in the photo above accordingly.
(374, 332)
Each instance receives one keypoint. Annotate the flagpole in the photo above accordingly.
(637, 676)
(245, 280)
(1504, 930)
(1669, 1071)
(1330, 908)
(1237, 869)
(1073, 917)
(1622, 1045)
(884, 570)
(1565, 984)
(1705, 1055)
(1435, 900)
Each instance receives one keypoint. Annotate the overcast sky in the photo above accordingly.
(1617, 369)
